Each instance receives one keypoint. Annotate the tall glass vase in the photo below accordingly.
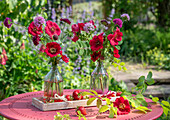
(99, 79)
(53, 83)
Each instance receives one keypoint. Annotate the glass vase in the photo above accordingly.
(99, 79)
(53, 83)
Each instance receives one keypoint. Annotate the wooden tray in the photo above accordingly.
(64, 105)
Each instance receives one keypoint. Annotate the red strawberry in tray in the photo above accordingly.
(118, 93)
(82, 110)
(77, 95)
(68, 97)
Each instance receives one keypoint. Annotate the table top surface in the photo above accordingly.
(19, 107)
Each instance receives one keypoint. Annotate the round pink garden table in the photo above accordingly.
(19, 107)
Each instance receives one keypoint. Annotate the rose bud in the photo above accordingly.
(65, 20)
(55, 37)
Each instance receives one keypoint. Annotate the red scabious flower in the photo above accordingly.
(65, 58)
(52, 28)
(122, 105)
(116, 52)
(81, 25)
(96, 43)
(36, 40)
(95, 56)
(75, 28)
(114, 38)
(32, 29)
(52, 49)
(65, 20)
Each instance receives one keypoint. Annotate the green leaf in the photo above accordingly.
(115, 110)
(90, 100)
(150, 81)
(122, 63)
(93, 91)
(111, 113)
(107, 101)
(149, 75)
(81, 51)
(165, 110)
(144, 88)
(141, 99)
(120, 42)
(104, 108)
(86, 93)
(118, 47)
(155, 99)
(99, 103)
(141, 79)
(143, 109)
(166, 103)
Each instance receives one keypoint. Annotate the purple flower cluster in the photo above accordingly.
(125, 16)
(88, 27)
(38, 21)
(118, 22)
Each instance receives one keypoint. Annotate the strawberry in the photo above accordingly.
(118, 93)
(77, 95)
(82, 110)
(68, 97)
(58, 100)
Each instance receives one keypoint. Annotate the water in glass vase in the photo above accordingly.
(99, 79)
(53, 84)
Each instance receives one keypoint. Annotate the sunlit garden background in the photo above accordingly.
(146, 41)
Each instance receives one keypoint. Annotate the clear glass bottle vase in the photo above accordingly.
(99, 79)
(53, 83)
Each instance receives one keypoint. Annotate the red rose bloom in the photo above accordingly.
(118, 35)
(65, 20)
(116, 52)
(81, 25)
(75, 38)
(65, 58)
(122, 105)
(52, 28)
(96, 43)
(114, 38)
(95, 56)
(32, 29)
(52, 49)
(75, 28)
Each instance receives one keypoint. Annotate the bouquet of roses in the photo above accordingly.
(105, 45)
(47, 33)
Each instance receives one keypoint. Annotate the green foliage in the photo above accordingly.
(165, 104)
(25, 68)
(117, 86)
(159, 58)
(142, 84)
(61, 117)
